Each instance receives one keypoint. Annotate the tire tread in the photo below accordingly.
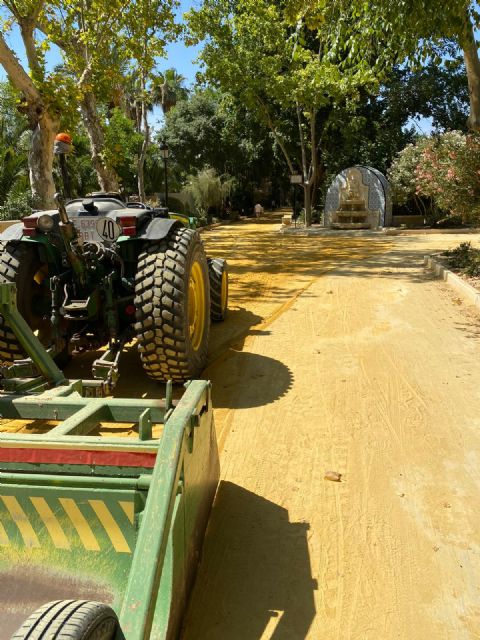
(161, 299)
(69, 620)
(216, 268)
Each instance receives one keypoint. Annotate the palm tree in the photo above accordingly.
(168, 88)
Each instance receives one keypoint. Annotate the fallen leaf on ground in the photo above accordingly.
(334, 476)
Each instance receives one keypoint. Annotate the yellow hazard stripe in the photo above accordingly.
(81, 525)
(111, 527)
(21, 520)
(128, 509)
(60, 529)
(4, 541)
(51, 523)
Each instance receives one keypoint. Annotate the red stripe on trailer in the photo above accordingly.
(78, 456)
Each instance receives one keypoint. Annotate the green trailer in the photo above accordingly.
(104, 502)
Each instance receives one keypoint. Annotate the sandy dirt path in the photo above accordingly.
(341, 354)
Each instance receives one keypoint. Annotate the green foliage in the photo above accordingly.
(17, 205)
(168, 88)
(80, 167)
(178, 206)
(12, 123)
(464, 258)
(15, 197)
(122, 145)
(253, 52)
(405, 28)
(402, 174)
(211, 129)
(449, 173)
(439, 92)
(193, 132)
(443, 170)
(208, 190)
(281, 71)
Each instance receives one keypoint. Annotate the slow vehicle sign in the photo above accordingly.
(93, 229)
(108, 229)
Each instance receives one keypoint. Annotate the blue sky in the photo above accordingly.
(178, 54)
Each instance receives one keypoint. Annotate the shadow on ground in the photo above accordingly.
(261, 251)
(247, 380)
(256, 569)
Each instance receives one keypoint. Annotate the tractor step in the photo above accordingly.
(80, 309)
(76, 310)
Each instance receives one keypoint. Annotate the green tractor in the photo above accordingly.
(99, 272)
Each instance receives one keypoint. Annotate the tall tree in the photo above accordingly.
(39, 102)
(209, 129)
(91, 39)
(167, 88)
(98, 40)
(149, 24)
(408, 29)
(271, 66)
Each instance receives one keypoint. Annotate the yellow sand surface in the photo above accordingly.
(340, 354)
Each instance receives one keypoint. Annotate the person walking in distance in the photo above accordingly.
(258, 210)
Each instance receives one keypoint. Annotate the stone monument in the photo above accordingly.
(352, 212)
(358, 198)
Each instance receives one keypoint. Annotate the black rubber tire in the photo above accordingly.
(19, 263)
(216, 268)
(162, 307)
(69, 620)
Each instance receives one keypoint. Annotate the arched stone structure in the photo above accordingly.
(359, 197)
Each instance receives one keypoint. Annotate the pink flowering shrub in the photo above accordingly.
(446, 171)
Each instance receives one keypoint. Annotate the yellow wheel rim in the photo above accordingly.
(41, 274)
(196, 306)
(224, 294)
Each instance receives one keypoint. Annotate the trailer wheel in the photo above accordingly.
(69, 620)
(172, 300)
(21, 264)
(218, 274)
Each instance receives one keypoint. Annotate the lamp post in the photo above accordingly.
(164, 152)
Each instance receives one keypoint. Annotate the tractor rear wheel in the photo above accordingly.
(21, 264)
(172, 300)
(69, 620)
(218, 274)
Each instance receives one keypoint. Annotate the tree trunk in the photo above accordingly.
(307, 191)
(107, 177)
(143, 152)
(472, 64)
(40, 162)
(43, 123)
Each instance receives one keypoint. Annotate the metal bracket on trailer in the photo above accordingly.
(27, 339)
(39, 372)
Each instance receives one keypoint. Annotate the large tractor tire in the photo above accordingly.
(20, 263)
(69, 620)
(218, 274)
(172, 300)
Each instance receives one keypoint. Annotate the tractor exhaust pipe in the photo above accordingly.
(62, 212)
(62, 147)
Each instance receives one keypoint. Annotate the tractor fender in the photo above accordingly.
(13, 232)
(158, 229)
